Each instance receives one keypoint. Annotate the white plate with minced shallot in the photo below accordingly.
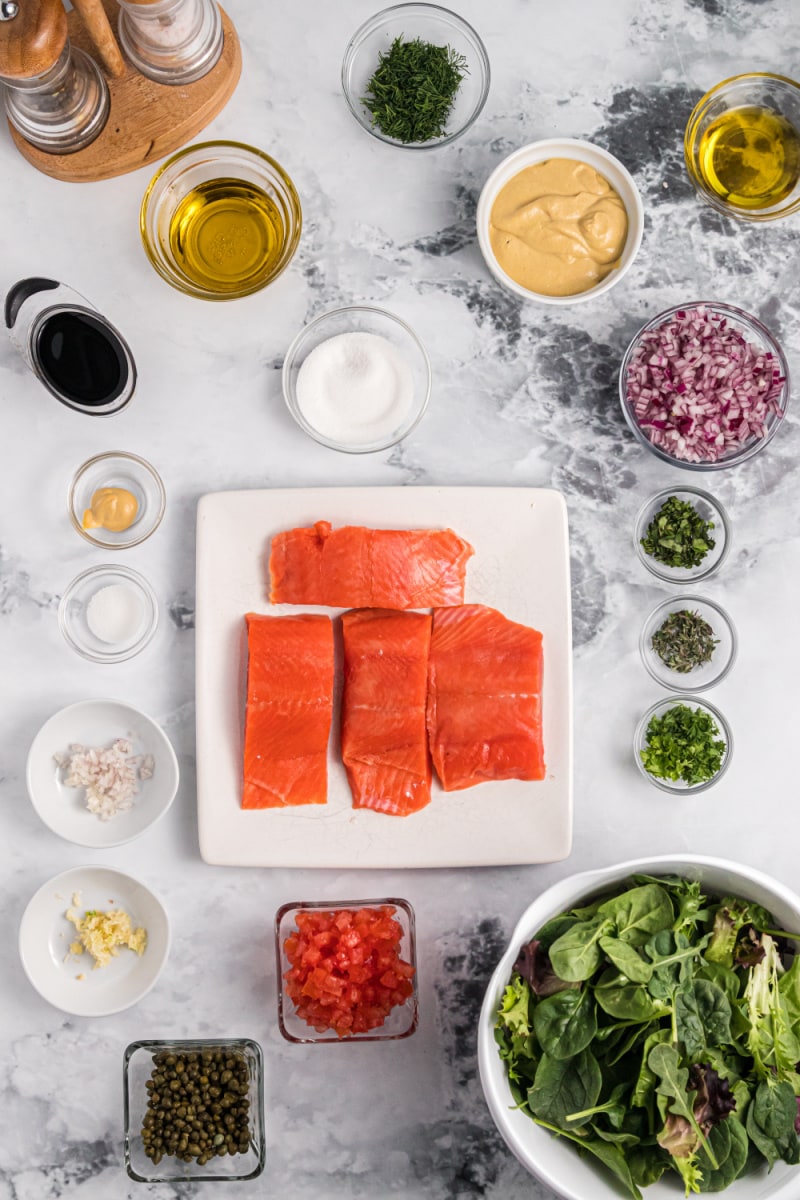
(100, 773)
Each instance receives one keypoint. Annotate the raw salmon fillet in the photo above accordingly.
(354, 567)
(289, 710)
(384, 743)
(484, 698)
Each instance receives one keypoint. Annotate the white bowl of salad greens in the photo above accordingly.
(641, 1035)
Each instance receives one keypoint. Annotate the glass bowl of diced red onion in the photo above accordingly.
(704, 386)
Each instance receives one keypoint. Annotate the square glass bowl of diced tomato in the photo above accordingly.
(347, 971)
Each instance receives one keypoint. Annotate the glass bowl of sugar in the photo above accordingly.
(357, 379)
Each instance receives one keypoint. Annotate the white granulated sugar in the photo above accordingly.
(355, 388)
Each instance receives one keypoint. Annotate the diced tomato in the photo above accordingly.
(346, 973)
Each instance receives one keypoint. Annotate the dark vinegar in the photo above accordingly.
(82, 359)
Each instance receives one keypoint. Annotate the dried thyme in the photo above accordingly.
(684, 641)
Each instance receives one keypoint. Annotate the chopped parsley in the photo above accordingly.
(684, 744)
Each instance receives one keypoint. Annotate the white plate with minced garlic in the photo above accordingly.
(100, 773)
(93, 941)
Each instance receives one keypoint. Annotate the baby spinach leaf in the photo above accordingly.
(554, 929)
(626, 959)
(719, 1141)
(639, 912)
(617, 996)
(646, 1080)
(565, 1023)
(611, 1156)
(565, 1085)
(647, 1164)
(733, 1164)
(775, 1108)
(702, 1017)
(624, 1140)
(575, 955)
(626, 1043)
(723, 977)
(614, 1108)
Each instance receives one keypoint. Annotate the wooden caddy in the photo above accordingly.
(146, 120)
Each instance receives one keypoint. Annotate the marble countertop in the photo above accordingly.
(523, 395)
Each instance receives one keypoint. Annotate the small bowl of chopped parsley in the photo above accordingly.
(689, 642)
(682, 535)
(416, 75)
(683, 745)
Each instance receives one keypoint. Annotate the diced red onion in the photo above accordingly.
(699, 390)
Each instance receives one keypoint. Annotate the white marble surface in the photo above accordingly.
(521, 396)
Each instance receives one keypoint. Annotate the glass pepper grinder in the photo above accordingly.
(55, 95)
(171, 41)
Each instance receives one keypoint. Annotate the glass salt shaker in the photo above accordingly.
(55, 94)
(171, 41)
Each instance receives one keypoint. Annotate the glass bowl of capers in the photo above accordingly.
(194, 1109)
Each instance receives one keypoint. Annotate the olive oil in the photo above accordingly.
(750, 157)
(227, 235)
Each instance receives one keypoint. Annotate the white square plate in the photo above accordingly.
(520, 566)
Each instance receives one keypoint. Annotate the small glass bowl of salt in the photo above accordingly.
(108, 614)
(357, 379)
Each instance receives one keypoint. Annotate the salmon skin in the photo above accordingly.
(384, 743)
(484, 698)
(289, 710)
(354, 567)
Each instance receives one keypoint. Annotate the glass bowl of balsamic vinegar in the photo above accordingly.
(742, 147)
(220, 220)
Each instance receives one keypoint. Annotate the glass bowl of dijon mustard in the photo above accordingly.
(116, 500)
(560, 221)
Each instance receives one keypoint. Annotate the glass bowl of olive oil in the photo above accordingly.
(220, 220)
(742, 147)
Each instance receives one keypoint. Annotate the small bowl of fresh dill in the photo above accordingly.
(415, 75)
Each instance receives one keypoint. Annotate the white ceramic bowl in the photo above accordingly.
(99, 723)
(553, 1160)
(45, 936)
(606, 165)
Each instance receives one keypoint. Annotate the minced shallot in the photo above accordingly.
(110, 775)
(698, 390)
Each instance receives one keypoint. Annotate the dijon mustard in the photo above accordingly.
(558, 227)
(112, 508)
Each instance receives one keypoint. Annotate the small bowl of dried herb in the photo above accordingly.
(416, 75)
(688, 642)
(682, 535)
(683, 745)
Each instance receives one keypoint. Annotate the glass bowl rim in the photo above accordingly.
(654, 567)
(372, 24)
(142, 462)
(713, 93)
(172, 277)
(138, 581)
(191, 1044)
(289, 391)
(372, 1035)
(690, 600)
(695, 701)
(748, 320)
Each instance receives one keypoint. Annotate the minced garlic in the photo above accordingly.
(102, 933)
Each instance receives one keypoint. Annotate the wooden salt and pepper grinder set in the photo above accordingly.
(79, 123)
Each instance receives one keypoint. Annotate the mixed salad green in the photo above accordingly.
(659, 1030)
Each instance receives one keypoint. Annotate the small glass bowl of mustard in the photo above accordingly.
(610, 239)
(742, 146)
(116, 500)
